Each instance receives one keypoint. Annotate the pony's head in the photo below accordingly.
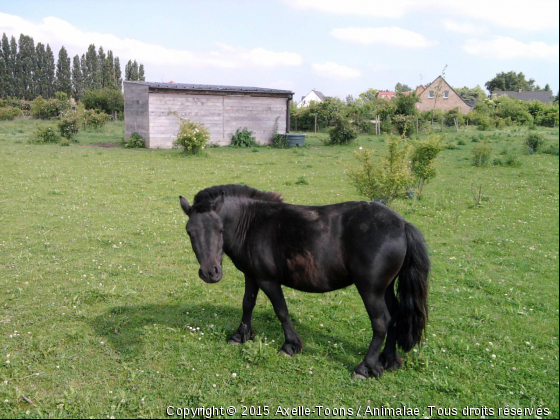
(205, 229)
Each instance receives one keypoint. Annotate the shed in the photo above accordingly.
(153, 110)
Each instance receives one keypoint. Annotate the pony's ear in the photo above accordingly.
(219, 202)
(185, 205)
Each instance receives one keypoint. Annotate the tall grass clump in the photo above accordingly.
(481, 154)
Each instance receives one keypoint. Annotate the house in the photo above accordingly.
(439, 95)
(523, 95)
(388, 95)
(313, 96)
(153, 110)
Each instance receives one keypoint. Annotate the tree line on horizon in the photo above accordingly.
(28, 71)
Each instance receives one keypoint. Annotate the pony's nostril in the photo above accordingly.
(216, 270)
(200, 273)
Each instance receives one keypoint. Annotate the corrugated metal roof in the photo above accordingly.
(525, 95)
(218, 88)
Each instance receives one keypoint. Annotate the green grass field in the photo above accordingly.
(103, 315)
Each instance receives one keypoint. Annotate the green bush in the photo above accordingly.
(534, 141)
(342, 132)
(8, 113)
(481, 154)
(68, 125)
(94, 120)
(386, 181)
(405, 124)
(243, 138)
(192, 136)
(44, 135)
(280, 141)
(134, 141)
(104, 100)
(48, 109)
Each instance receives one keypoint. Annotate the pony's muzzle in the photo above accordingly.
(211, 275)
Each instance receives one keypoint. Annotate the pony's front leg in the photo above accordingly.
(245, 333)
(273, 290)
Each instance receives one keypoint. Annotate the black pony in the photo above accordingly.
(316, 249)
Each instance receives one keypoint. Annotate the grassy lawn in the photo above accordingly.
(102, 312)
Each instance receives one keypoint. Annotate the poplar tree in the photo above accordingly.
(49, 72)
(141, 76)
(25, 67)
(85, 74)
(134, 71)
(108, 76)
(63, 78)
(77, 78)
(7, 81)
(13, 60)
(41, 87)
(128, 70)
(92, 65)
(118, 74)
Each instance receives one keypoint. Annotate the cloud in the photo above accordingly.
(58, 32)
(393, 37)
(537, 15)
(507, 48)
(335, 71)
(378, 68)
(463, 27)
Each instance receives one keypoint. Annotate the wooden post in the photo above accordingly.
(456, 120)
(417, 126)
(315, 122)
(442, 124)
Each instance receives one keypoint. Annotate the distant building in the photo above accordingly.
(313, 96)
(439, 95)
(524, 95)
(388, 95)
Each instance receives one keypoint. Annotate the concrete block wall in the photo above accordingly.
(136, 111)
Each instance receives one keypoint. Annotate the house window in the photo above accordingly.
(446, 94)
(431, 94)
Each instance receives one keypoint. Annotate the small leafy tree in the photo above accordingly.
(385, 181)
(68, 125)
(342, 132)
(422, 160)
(192, 136)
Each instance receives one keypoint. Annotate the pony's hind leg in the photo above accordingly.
(379, 317)
(245, 333)
(390, 358)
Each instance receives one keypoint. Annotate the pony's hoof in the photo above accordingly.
(359, 377)
(283, 353)
(233, 342)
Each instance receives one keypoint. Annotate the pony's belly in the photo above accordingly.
(317, 285)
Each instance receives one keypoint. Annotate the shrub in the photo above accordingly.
(461, 142)
(280, 141)
(104, 100)
(405, 124)
(68, 125)
(243, 138)
(386, 181)
(534, 141)
(134, 141)
(302, 180)
(192, 136)
(48, 109)
(8, 113)
(481, 154)
(94, 120)
(422, 160)
(342, 132)
(44, 135)
(551, 150)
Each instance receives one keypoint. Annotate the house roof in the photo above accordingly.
(218, 88)
(539, 95)
(319, 94)
(450, 87)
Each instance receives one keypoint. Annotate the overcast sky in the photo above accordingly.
(339, 47)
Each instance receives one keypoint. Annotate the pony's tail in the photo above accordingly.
(412, 314)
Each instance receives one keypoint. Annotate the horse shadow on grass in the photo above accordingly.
(124, 328)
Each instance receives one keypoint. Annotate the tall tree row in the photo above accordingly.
(28, 70)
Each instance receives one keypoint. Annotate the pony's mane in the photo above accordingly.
(203, 199)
